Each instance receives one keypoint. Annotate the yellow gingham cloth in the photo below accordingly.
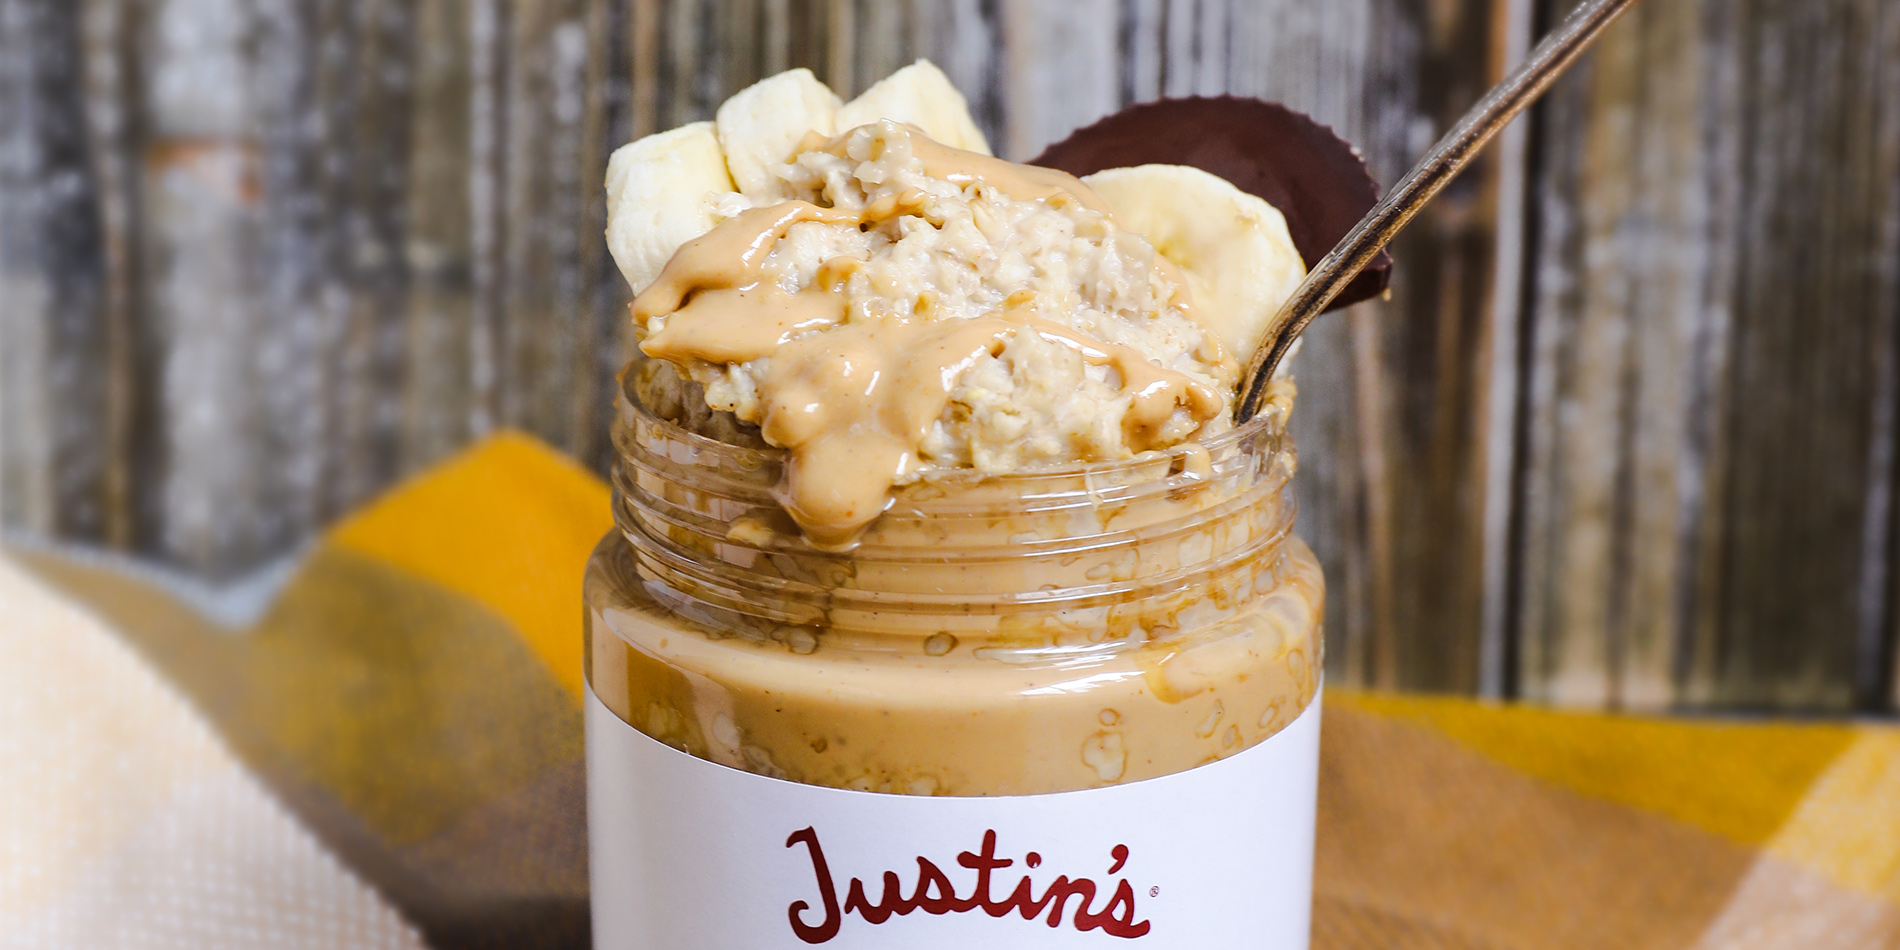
(389, 755)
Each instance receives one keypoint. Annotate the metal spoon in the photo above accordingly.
(1439, 166)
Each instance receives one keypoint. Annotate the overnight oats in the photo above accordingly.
(947, 605)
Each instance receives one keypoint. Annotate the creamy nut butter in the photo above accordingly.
(946, 606)
(988, 635)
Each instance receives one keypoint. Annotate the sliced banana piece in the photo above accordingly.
(662, 192)
(921, 95)
(1233, 248)
(760, 126)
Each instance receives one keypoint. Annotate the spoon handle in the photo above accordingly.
(1439, 166)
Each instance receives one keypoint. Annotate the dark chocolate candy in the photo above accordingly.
(1317, 180)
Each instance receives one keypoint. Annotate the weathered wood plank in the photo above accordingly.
(964, 38)
(299, 302)
(1815, 305)
(332, 127)
(1877, 664)
(373, 103)
(438, 402)
(109, 47)
(1058, 67)
(600, 324)
(1437, 337)
(1707, 507)
(1501, 398)
(54, 315)
(883, 41)
(1583, 357)
(198, 236)
(541, 365)
(489, 28)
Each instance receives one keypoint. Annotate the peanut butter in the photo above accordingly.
(986, 636)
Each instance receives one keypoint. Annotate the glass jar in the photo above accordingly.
(999, 635)
(1105, 665)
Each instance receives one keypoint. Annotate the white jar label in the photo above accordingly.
(690, 855)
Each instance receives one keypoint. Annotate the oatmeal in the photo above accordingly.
(913, 308)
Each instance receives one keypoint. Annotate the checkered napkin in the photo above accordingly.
(381, 747)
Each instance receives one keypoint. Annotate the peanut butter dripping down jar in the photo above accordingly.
(1040, 632)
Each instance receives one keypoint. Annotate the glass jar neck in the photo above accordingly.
(1103, 550)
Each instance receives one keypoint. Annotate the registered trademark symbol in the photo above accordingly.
(1154, 892)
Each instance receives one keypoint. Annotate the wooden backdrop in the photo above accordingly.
(1624, 434)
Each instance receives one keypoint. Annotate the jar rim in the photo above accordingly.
(706, 515)
(1268, 424)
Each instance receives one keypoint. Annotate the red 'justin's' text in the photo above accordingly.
(934, 893)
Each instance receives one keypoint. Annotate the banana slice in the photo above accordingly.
(760, 126)
(921, 95)
(661, 193)
(1239, 260)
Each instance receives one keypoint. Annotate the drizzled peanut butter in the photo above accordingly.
(852, 396)
(1026, 182)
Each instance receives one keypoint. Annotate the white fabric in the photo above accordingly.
(125, 822)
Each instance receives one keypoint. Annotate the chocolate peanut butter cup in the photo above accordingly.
(1315, 178)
